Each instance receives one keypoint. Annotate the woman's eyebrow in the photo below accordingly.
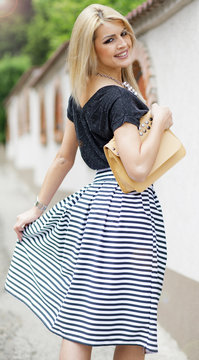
(107, 36)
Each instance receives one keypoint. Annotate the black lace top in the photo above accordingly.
(109, 108)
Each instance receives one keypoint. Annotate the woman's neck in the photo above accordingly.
(114, 73)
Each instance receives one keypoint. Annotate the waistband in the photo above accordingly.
(107, 175)
(104, 174)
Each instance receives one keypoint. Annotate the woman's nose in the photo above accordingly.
(121, 42)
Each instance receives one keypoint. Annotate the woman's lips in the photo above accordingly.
(123, 54)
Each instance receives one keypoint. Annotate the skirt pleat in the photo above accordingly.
(92, 267)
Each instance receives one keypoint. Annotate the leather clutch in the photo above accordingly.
(170, 152)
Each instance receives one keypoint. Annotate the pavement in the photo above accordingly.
(22, 335)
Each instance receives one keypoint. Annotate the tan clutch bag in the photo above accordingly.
(170, 152)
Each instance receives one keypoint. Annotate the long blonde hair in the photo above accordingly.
(82, 59)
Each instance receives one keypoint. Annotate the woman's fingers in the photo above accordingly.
(19, 235)
(162, 115)
(26, 218)
(18, 228)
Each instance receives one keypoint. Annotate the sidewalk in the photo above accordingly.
(22, 335)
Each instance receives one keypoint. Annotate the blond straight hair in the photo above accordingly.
(82, 58)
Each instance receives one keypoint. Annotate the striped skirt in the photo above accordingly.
(92, 267)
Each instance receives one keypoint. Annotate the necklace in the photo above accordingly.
(144, 127)
(124, 84)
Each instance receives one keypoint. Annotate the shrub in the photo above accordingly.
(11, 68)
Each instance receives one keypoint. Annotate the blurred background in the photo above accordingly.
(34, 91)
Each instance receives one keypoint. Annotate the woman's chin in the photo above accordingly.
(124, 63)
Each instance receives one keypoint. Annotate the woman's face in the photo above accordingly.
(113, 46)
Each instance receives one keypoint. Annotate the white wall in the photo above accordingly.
(19, 148)
(11, 146)
(80, 174)
(26, 151)
(174, 49)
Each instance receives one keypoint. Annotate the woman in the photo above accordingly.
(92, 267)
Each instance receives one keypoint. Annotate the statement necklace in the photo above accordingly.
(124, 84)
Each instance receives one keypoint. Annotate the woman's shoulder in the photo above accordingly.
(112, 90)
(112, 93)
(124, 98)
(107, 96)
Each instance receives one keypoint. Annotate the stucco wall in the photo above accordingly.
(174, 49)
(80, 174)
(26, 151)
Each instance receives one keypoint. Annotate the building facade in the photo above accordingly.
(36, 117)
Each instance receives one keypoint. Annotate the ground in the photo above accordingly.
(22, 335)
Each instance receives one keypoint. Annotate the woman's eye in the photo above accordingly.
(124, 33)
(108, 41)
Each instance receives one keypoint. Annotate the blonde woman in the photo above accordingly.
(92, 267)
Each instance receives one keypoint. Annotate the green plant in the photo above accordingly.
(11, 68)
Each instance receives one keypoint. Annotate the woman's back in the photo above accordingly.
(105, 111)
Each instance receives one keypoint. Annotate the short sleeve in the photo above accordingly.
(70, 109)
(126, 107)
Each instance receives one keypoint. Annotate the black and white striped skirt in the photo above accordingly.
(92, 267)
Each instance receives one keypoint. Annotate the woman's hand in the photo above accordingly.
(26, 218)
(162, 116)
(138, 159)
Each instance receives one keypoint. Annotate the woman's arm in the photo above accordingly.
(137, 157)
(60, 166)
